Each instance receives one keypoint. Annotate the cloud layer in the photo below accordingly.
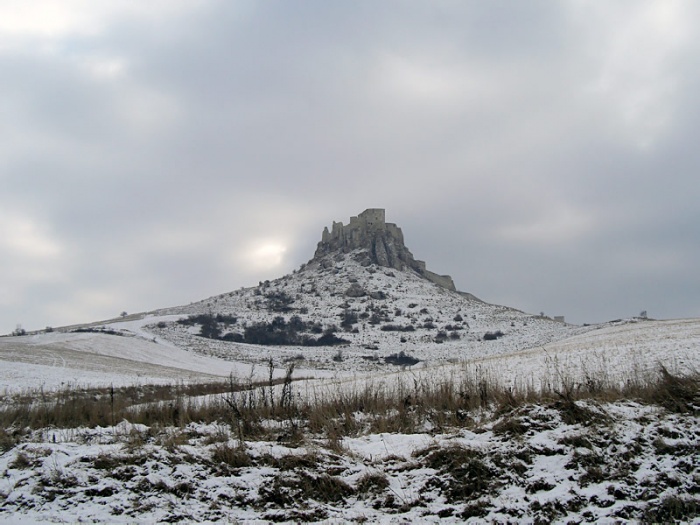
(157, 153)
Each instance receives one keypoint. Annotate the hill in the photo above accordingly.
(361, 299)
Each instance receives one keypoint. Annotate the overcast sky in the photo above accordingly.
(544, 154)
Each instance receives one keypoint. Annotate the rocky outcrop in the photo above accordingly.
(381, 243)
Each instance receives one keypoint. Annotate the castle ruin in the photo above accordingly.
(382, 241)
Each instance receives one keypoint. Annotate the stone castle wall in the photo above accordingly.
(383, 241)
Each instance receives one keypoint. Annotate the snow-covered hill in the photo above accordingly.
(377, 311)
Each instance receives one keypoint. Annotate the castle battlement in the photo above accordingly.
(383, 242)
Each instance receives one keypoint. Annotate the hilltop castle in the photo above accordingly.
(382, 241)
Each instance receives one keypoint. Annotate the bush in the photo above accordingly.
(281, 333)
(401, 359)
(349, 318)
(375, 319)
(398, 328)
(492, 336)
(464, 476)
(206, 319)
(106, 331)
(279, 301)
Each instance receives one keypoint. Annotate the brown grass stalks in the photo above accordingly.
(254, 410)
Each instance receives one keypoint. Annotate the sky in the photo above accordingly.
(152, 154)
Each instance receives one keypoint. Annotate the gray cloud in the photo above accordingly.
(542, 154)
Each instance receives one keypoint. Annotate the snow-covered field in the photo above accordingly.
(615, 352)
(631, 462)
(56, 360)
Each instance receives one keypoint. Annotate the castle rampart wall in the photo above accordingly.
(383, 240)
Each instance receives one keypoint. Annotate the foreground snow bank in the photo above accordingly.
(601, 462)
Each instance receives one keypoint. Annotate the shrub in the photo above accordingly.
(672, 509)
(210, 330)
(375, 319)
(106, 331)
(398, 328)
(463, 474)
(676, 393)
(491, 336)
(349, 318)
(279, 301)
(355, 290)
(233, 457)
(200, 319)
(372, 483)
(401, 359)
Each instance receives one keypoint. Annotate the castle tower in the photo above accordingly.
(382, 244)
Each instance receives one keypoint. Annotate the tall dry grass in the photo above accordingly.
(289, 409)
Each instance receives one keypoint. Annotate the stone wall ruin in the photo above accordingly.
(383, 242)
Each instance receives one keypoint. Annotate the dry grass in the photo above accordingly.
(231, 457)
(463, 474)
(271, 410)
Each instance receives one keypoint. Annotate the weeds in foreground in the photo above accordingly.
(463, 474)
(452, 477)
(372, 483)
(231, 457)
(275, 410)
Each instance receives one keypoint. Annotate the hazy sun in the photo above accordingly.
(266, 255)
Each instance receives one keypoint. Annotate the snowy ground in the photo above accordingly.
(628, 462)
(55, 360)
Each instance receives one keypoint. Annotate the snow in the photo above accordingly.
(95, 475)
(56, 360)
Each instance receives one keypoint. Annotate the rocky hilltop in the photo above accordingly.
(362, 302)
(362, 291)
(379, 242)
